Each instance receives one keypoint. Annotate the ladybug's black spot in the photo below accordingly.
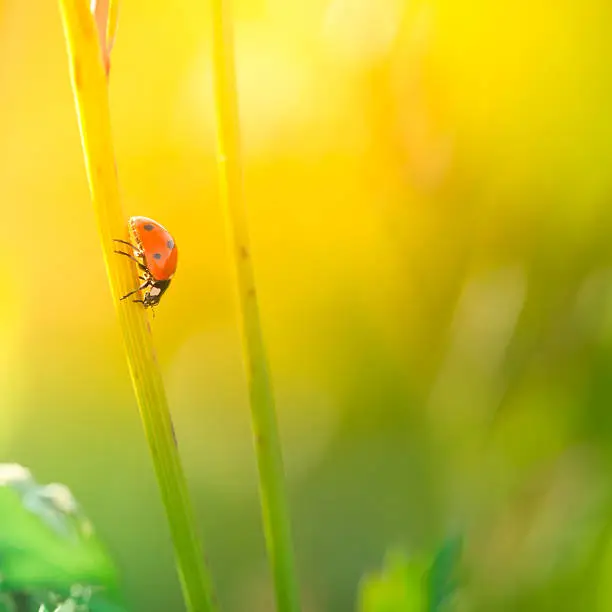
(170, 244)
(156, 255)
(148, 226)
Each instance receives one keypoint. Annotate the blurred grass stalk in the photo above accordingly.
(265, 429)
(90, 90)
(106, 14)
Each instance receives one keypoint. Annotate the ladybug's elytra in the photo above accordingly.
(156, 255)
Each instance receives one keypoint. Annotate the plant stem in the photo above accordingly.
(91, 98)
(267, 445)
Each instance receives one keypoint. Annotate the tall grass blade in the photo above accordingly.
(89, 85)
(271, 477)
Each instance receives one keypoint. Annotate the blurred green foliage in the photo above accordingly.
(49, 552)
(414, 584)
(399, 587)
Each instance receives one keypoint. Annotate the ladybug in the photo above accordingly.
(156, 255)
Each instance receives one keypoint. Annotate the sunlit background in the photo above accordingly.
(429, 193)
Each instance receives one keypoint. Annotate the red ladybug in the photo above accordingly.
(156, 255)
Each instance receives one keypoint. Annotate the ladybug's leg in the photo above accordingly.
(137, 249)
(140, 264)
(142, 302)
(143, 286)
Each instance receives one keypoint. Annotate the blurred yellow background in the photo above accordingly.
(428, 188)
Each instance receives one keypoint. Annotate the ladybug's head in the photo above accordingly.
(153, 295)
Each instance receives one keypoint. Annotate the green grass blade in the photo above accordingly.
(91, 97)
(271, 477)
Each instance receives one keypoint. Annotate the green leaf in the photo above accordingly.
(398, 588)
(413, 584)
(46, 541)
(442, 580)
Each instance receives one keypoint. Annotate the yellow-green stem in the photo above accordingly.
(269, 458)
(91, 98)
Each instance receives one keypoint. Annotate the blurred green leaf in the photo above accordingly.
(442, 580)
(413, 585)
(399, 587)
(46, 541)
